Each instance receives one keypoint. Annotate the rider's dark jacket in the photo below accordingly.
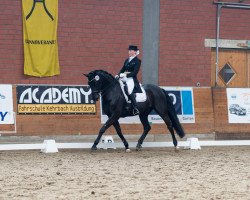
(133, 67)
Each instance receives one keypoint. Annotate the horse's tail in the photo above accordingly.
(173, 117)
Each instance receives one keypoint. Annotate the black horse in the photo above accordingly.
(115, 106)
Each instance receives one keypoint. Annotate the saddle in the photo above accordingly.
(139, 97)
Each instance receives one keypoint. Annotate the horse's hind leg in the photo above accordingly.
(146, 127)
(169, 124)
(119, 132)
(171, 129)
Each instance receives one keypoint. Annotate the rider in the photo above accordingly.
(128, 75)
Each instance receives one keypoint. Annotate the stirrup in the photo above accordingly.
(136, 111)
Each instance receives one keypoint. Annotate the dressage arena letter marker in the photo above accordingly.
(50, 146)
(107, 142)
(194, 143)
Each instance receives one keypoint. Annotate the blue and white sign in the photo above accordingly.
(183, 101)
(6, 105)
(238, 103)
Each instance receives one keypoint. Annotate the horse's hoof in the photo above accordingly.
(138, 148)
(127, 150)
(93, 148)
(177, 149)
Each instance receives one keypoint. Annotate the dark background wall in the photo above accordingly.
(184, 25)
(94, 34)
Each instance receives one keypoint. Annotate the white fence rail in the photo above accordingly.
(50, 146)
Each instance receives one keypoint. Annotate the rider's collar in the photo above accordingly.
(131, 58)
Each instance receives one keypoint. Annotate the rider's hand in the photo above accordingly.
(123, 75)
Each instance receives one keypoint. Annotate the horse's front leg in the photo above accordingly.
(97, 140)
(119, 132)
(109, 122)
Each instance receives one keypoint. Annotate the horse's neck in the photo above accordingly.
(111, 91)
(106, 84)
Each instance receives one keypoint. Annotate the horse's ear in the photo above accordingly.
(85, 75)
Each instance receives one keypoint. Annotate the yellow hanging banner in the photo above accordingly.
(40, 19)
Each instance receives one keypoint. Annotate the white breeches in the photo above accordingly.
(130, 83)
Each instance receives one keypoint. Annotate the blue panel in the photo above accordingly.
(187, 103)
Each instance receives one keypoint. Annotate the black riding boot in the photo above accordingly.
(133, 101)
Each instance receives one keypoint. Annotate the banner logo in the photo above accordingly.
(44, 6)
(3, 115)
(55, 100)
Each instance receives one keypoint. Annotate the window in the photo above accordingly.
(227, 73)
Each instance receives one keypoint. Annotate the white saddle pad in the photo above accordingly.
(140, 97)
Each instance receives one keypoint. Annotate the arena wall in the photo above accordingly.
(92, 34)
(31, 125)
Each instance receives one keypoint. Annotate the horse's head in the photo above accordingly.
(94, 83)
(98, 80)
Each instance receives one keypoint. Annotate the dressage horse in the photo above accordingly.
(115, 106)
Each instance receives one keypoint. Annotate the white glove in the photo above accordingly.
(124, 79)
(117, 77)
(123, 75)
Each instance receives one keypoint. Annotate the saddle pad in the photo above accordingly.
(140, 97)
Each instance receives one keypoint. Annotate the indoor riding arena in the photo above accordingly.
(67, 123)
